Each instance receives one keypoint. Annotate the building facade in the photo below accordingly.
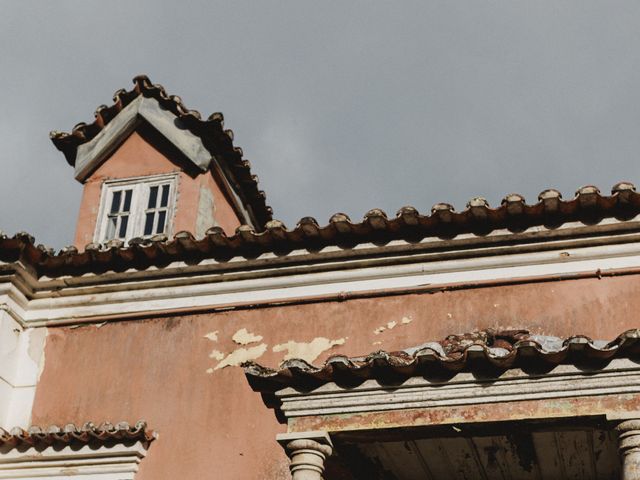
(187, 334)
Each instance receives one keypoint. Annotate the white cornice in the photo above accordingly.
(118, 462)
(330, 274)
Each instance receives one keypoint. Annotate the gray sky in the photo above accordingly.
(340, 106)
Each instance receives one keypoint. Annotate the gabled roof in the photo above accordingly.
(588, 206)
(214, 139)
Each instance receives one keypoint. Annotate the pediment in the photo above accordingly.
(92, 154)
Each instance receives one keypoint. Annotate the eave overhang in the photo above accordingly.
(189, 284)
(71, 434)
(481, 376)
(514, 222)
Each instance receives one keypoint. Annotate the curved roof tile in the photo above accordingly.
(70, 433)
(588, 206)
(484, 351)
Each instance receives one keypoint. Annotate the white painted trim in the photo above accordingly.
(21, 361)
(620, 376)
(91, 154)
(140, 186)
(117, 462)
(220, 290)
(331, 273)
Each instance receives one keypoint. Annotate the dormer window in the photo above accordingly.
(136, 207)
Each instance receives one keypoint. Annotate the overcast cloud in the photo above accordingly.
(340, 106)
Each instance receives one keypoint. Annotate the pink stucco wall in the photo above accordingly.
(211, 425)
(136, 157)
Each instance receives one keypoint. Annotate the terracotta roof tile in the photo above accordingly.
(214, 137)
(72, 434)
(588, 206)
(482, 351)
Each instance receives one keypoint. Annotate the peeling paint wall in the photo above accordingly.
(21, 364)
(308, 351)
(180, 373)
(205, 217)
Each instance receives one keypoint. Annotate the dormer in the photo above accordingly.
(150, 166)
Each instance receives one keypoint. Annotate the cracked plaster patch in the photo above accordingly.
(242, 355)
(217, 354)
(213, 336)
(391, 325)
(244, 337)
(307, 351)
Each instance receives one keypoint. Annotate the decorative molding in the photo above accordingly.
(91, 154)
(308, 452)
(367, 270)
(116, 462)
(629, 448)
(620, 376)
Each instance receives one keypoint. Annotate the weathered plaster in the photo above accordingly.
(308, 351)
(136, 369)
(244, 337)
(216, 354)
(391, 325)
(22, 363)
(205, 218)
(241, 355)
(94, 152)
(213, 336)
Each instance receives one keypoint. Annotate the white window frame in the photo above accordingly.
(139, 201)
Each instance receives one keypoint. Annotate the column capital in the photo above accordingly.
(628, 435)
(629, 448)
(308, 452)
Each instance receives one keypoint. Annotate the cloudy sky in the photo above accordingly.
(340, 106)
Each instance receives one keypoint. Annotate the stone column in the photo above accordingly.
(308, 452)
(629, 447)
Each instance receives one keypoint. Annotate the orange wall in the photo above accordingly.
(212, 426)
(135, 158)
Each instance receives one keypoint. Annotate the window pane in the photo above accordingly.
(164, 201)
(148, 223)
(115, 203)
(111, 228)
(123, 226)
(127, 201)
(153, 197)
(161, 219)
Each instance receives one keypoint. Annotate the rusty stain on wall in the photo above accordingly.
(308, 351)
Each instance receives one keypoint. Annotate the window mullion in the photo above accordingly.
(138, 199)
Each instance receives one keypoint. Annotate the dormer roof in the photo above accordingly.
(204, 143)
